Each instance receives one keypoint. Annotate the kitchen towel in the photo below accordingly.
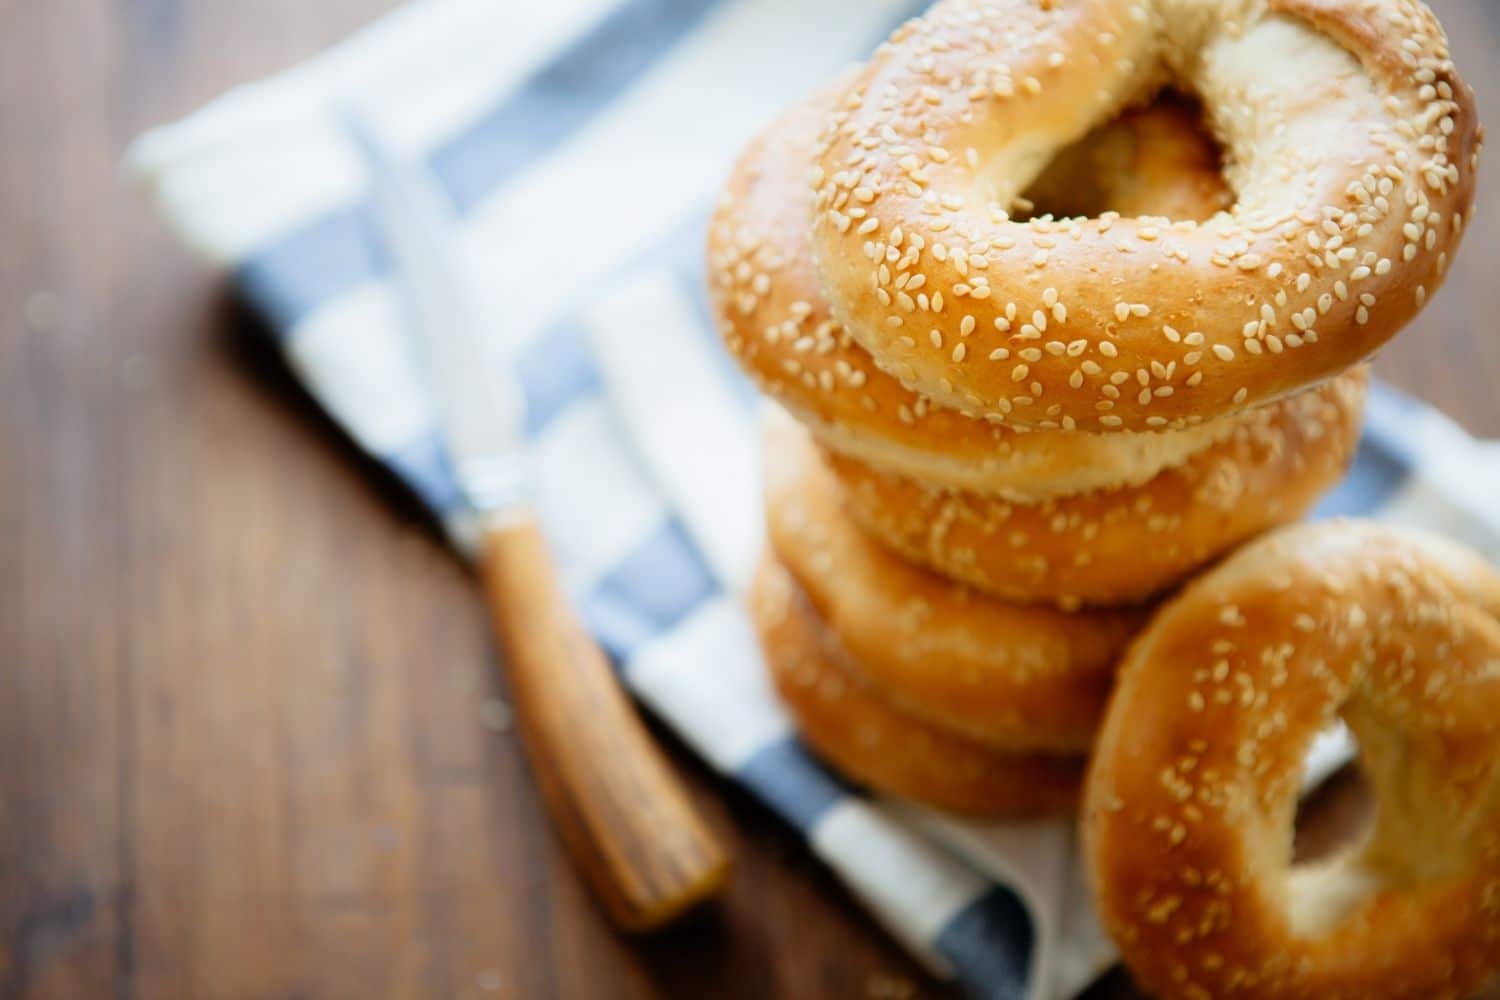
(581, 143)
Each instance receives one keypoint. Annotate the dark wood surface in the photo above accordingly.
(248, 746)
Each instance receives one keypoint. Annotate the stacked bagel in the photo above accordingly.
(946, 595)
(1036, 373)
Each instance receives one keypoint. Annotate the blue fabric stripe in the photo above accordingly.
(556, 371)
(661, 582)
(1377, 474)
(789, 780)
(1388, 417)
(317, 262)
(423, 466)
(1390, 405)
(563, 96)
(990, 943)
(294, 275)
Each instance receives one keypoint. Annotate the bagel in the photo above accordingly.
(1125, 545)
(1192, 791)
(775, 321)
(1012, 677)
(1352, 147)
(876, 744)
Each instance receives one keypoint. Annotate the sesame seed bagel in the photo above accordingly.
(1012, 677)
(1351, 143)
(875, 743)
(776, 322)
(1193, 789)
(1122, 545)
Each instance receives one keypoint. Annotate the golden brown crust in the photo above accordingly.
(775, 320)
(1120, 546)
(874, 742)
(1016, 678)
(1193, 787)
(1352, 146)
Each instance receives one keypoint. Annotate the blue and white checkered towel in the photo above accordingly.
(581, 143)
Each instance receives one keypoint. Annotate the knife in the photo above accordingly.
(620, 811)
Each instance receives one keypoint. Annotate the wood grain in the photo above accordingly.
(612, 797)
(244, 748)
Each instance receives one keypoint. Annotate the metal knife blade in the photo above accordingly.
(479, 402)
(622, 814)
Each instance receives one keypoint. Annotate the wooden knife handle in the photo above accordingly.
(621, 813)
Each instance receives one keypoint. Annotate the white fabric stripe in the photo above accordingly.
(706, 679)
(1464, 472)
(357, 362)
(596, 510)
(1330, 750)
(682, 419)
(271, 156)
(228, 202)
(549, 236)
(1422, 503)
(914, 888)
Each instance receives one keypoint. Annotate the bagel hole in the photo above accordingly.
(1334, 823)
(1334, 817)
(1159, 160)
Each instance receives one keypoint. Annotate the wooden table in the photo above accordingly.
(244, 743)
